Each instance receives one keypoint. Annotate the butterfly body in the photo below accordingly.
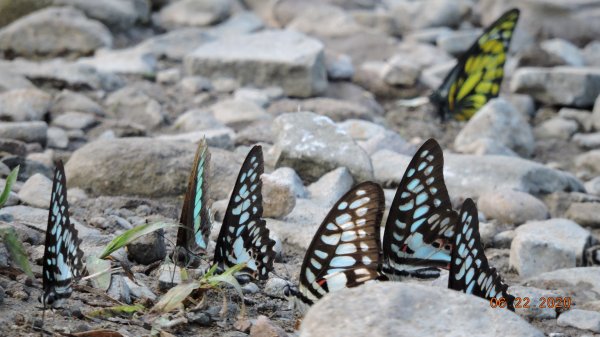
(62, 261)
(469, 270)
(477, 77)
(244, 237)
(420, 226)
(345, 251)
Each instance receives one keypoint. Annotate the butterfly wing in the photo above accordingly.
(244, 236)
(470, 271)
(345, 251)
(477, 77)
(195, 218)
(420, 225)
(62, 257)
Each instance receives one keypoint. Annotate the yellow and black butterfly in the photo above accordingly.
(477, 77)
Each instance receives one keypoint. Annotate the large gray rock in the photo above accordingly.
(541, 246)
(67, 101)
(194, 13)
(175, 44)
(116, 14)
(564, 50)
(147, 167)
(138, 104)
(36, 191)
(581, 319)
(585, 213)
(512, 207)
(123, 61)
(397, 308)
(298, 66)
(313, 145)
(28, 132)
(556, 127)
(580, 283)
(570, 86)
(298, 228)
(54, 32)
(469, 176)
(500, 123)
(278, 196)
(331, 186)
(24, 105)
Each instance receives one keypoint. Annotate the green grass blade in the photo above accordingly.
(175, 296)
(120, 310)
(131, 235)
(228, 277)
(12, 177)
(17, 251)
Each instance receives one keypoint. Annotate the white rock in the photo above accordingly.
(57, 138)
(512, 207)
(541, 246)
(36, 191)
(75, 120)
(194, 13)
(564, 50)
(28, 132)
(331, 186)
(581, 284)
(580, 319)
(24, 105)
(556, 127)
(123, 61)
(237, 113)
(278, 197)
(290, 176)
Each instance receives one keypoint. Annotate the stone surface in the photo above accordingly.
(336, 109)
(581, 319)
(28, 132)
(587, 141)
(469, 176)
(139, 104)
(361, 129)
(313, 145)
(116, 14)
(588, 162)
(24, 105)
(194, 13)
(150, 167)
(278, 196)
(290, 177)
(344, 313)
(580, 283)
(298, 66)
(585, 213)
(512, 207)
(582, 117)
(541, 246)
(263, 327)
(196, 119)
(536, 308)
(457, 43)
(123, 61)
(68, 101)
(54, 32)
(593, 186)
(400, 71)
(331, 186)
(500, 123)
(36, 191)
(237, 113)
(577, 87)
(387, 140)
(148, 248)
(564, 50)
(556, 128)
(75, 120)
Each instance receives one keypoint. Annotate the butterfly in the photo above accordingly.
(345, 251)
(470, 271)
(62, 261)
(195, 215)
(477, 77)
(420, 226)
(244, 236)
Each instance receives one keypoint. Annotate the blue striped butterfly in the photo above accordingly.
(345, 251)
(477, 77)
(420, 226)
(244, 236)
(470, 271)
(62, 261)
(195, 215)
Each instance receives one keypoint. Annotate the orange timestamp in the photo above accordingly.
(544, 302)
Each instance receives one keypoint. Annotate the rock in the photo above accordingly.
(196, 119)
(582, 117)
(556, 128)
(344, 313)
(429, 13)
(588, 162)
(263, 327)
(28, 132)
(350, 92)
(596, 114)
(12, 146)
(298, 67)
(512, 207)
(331, 186)
(152, 167)
(501, 123)
(259, 97)
(339, 66)
(148, 248)
(54, 31)
(593, 186)
(291, 178)
(401, 72)
(75, 120)
(139, 290)
(225, 85)
(133, 61)
(370, 76)
(224, 168)
(585, 213)
(116, 14)
(36, 191)
(250, 288)
(168, 76)
(541, 246)
(587, 141)
(194, 13)
(219, 137)
(278, 197)
(118, 289)
(580, 319)
(577, 87)
(275, 286)
(589, 54)
(564, 50)
(68, 101)
(313, 145)
(11, 81)
(470, 176)
(169, 276)
(12, 10)
(580, 283)
(323, 20)
(200, 318)
(21, 105)
(457, 43)
(381, 21)
(242, 22)
(360, 129)
(524, 104)
(237, 113)
(336, 109)
(62, 74)
(387, 140)
(298, 227)
(536, 308)
(138, 104)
